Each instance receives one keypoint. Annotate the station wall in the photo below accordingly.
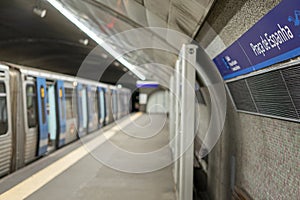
(258, 154)
(157, 100)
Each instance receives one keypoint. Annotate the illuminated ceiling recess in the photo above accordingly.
(87, 30)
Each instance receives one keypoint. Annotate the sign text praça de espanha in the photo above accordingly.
(274, 38)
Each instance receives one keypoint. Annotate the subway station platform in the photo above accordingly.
(172, 100)
(76, 172)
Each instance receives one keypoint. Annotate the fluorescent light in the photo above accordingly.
(95, 37)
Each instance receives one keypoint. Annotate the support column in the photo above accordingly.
(187, 121)
(172, 113)
(177, 122)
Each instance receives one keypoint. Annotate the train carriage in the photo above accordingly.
(5, 122)
(41, 111)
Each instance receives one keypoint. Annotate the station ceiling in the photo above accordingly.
(56, 44)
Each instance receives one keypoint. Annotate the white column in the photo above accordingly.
(187, 121)
(171, 113)
(177, 121)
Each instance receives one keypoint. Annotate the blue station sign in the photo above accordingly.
(147, 84)
(273, 39)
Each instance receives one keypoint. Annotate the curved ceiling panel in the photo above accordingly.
(51, 43)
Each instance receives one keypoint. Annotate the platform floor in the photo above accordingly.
(88, 178)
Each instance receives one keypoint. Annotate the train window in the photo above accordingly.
(68, 94)
(62, 104)
(31, 106)
(3, 110)
(42, 90)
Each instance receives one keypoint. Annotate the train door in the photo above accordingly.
(100, 122)
(124, 102)
(119, 101)
(114, 105)
(51, 116)
(101, 106)
(82, 110)
(92, 108)
(61, 113)
(109, 114)
(72, 113)
(129, 101)
(5, 124)
(89, 102)
(31, 120)
(42, 116)
(96, 114)
(89, 108)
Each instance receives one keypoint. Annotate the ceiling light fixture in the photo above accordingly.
(116, 64)
(92, 34)
(84, 41)
(104, 55)
(40, 12)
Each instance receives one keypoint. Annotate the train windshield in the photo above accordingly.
(3, 110)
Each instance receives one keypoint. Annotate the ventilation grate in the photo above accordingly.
(242, 96)
(292, 79)
(275, 93)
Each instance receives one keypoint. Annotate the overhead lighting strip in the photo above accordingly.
(87, 30)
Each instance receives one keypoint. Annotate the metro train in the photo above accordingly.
(41, 111)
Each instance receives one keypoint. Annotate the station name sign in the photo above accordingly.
(147, 84)
(273, 39)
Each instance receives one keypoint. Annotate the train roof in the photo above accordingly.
(55, 76)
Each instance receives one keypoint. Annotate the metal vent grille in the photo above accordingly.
(241, 96)
(271, 96)
(292, 79)
(275, 93)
